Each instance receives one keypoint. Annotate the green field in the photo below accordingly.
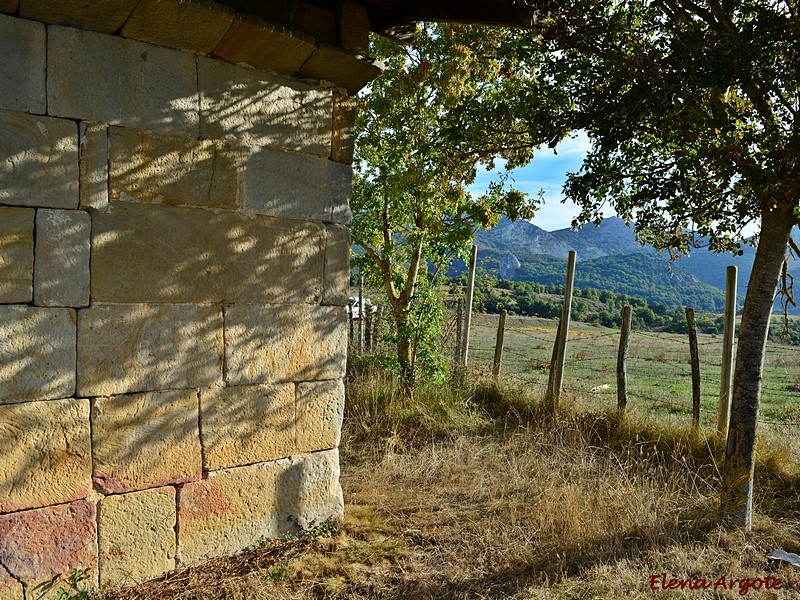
(659, 373)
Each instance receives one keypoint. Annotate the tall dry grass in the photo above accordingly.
(470, 492)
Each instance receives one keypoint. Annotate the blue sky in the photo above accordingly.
(547, 172)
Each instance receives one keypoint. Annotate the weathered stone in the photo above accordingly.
(264, 46)
(38, 161)
(93, 167)
(145, 440)
(95, 15)
(235, 508)
(137, 536)
(353, 27)
(10, 588)
(315, 21)
(287, 184)
(37, 353)
(271, 11)
(284, 343)
(61, 277)
(344, 125)
(171, 254)
(133, 84)
(9, 6)
(320, 407)
(196, 25)
(45, 453)
(336, 279)
(16, 254)
(263, 110)
(340, 67)
(165, 169)
(23, 65)
(39, 547)
(243, 425)
(137, 347)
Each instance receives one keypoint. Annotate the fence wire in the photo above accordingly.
(658, 365)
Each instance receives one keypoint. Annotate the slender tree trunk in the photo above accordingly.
(736, 499)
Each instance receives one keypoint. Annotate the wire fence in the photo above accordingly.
(658, 365)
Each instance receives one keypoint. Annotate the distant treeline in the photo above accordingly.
(600, 307)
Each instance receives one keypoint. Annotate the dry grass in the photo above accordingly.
(468, 494)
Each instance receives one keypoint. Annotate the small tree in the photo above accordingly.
(418, 149)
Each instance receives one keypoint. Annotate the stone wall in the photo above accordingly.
(173, 275)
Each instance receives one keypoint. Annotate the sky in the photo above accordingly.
(547, 172)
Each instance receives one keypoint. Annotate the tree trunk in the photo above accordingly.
(736, 499)
(403, 344)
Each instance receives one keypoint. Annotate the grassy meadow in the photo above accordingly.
(659, 373)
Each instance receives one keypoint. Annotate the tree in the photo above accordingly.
(691, 107)
(417, 151)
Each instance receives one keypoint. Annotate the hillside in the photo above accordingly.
(610, 257)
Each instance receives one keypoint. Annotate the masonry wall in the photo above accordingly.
(173, 275)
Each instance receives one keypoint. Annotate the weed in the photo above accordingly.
(74, 579)
(278, 572)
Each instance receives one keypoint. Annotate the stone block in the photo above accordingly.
(133, 84)
(93, 167)
(195, 25)
(9, 6)
(284, 343)
(336, 279)
(341, 67)
(136, 536)
(10, 588)
(23, 65)
(146, 440)
(16, 254)
(61, 276)
(138, 347)
(314, 21)
(320, 407)
(166, 169)
(263, 110)
(344, 125)
(95, 15)
(172, 254)
(45, 453)
(37, 353)
(264, 46)
(243, 425)
(39, 547)
(271, 11)
(288, 184)
(235, 508)
(354, 27)
(38, 161)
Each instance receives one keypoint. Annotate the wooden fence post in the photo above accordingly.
(368, 325)
(729, 332)
(560, 347)
(350, 329)
(498, 347)
(376, 325)
(459, 326)
(360, 344)
(695, 360)
(468, 308)
(622, 357)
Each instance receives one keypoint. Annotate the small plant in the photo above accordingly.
(278, 572)
(314, 531)
(75, 577)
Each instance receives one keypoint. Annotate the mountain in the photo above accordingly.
(610, 257)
